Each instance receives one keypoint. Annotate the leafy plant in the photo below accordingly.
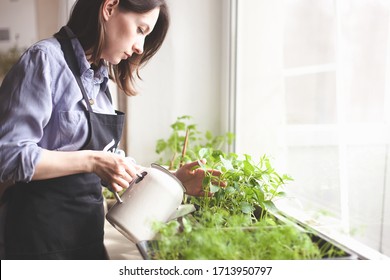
(236, 221)
(107, 193)
(170, 149)
(249, 184)
(8, 59)
(213, 240)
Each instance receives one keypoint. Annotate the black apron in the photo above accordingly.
(63, 218)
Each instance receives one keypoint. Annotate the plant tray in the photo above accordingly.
(149, 248)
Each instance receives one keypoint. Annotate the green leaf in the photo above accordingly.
(209, 135)
(230, 137)
(269, 205)
(192, 128)
(179, 126)
(259, 195)
(203, 152)
(281, 194)
(246, 207)
(187, 227)
(226, 163)
(214, 189)
(160, 146)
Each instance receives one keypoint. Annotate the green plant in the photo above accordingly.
(249, 184)
(8, 58)
(107, 193)
(170, 149)
(238, 221)
(241, 239)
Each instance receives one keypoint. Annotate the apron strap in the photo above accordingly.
(71, 60)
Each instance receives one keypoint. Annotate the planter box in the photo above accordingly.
(322, 240)
(329, 248)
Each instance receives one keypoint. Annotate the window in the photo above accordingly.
(312, 91)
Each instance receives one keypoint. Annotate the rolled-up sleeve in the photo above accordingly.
(25, 109)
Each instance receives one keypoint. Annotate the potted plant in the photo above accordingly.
(8, 59)
(109, 198)
(240, 221)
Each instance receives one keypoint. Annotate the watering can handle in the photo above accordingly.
(140, 177)
(117, 197)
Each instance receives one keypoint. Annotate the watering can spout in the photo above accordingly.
(182, 211)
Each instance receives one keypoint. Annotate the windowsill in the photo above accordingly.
(333, 231)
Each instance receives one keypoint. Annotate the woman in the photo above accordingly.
(59, 131)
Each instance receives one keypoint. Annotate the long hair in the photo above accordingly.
(86, 22)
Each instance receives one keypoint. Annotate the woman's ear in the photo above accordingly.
(108, 8)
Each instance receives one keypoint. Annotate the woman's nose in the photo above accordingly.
(138, 47)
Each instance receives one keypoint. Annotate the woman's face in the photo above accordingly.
(125, 33)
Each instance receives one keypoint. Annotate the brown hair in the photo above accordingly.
(86, 23)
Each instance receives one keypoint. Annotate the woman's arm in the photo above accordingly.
(54, 164)
(115, 170)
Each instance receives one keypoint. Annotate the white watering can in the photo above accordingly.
(155, 196)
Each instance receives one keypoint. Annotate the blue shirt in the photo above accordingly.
(42, 107)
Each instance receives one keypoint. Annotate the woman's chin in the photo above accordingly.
(114, 61)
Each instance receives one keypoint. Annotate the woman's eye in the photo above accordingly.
(141, 31)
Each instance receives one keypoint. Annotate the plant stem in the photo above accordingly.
(183, 153)
(171, 164)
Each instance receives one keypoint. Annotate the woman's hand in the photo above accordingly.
(116, 171)
(192, 179)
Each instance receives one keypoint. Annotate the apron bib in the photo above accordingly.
(63, 218)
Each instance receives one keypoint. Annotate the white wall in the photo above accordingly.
(183, 78)
(32, 20)
(20, 17)
(187, 76)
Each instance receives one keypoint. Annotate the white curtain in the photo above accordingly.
(313, 93)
